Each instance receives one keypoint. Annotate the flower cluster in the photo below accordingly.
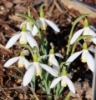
(40, 65)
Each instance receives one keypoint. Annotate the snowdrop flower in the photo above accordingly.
(85, 31)
(35, 69)
(24, 38)
(64, 82)
(43, 22)
(85, 57)
(30, 27)
(22, 61)
(52, 60)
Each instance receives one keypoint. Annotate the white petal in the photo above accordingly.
(23, 39)
(44, 56)
(94, 34)
(55, 81)
(91, 49)
(21, 62)
(32, 42)
(58, 55)
(41, 23)
(28, 76)
(90, 62)
(70, 85)
(29, 26)
(12, 40)
(73, 57)
(76, 35)
(53, 60)
(26, 52)
(11, 61)
(49, 69)
(91, 32)
(38, 68)
(26, 63)
(53, 25)
(34, 30)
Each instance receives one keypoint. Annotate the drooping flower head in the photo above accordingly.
(86, 57)
(64, 82)
(24, 36)
(35, 68)
(22, 61)
(43, 22)
(84, 31)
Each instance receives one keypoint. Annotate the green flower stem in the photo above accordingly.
(28, 47)
(70, 35)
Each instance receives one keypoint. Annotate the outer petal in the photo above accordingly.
(26, 63)
(58, 55)
(53, 61)
(31, 41)
(90, 62)
(76, 35)
(26, 52)
(55, 81)
(34, 31)
(70, 85)
(49, 69)
(11, 61)
(12, 41)
(28, 75)
(44, 56)
(53, 25)
(73, 57)
(91, 49)
(94, 34)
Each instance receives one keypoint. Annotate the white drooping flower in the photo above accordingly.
(29, 26)
(35, 68)
(24, 38)
(64, 82)
(84, 31)
(52, 60)
(43, 22)
(22, 61)
(86, 57)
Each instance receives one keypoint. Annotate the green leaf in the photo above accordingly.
(15, 76)
(68, 96)
(19, 70)
(40, 85)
